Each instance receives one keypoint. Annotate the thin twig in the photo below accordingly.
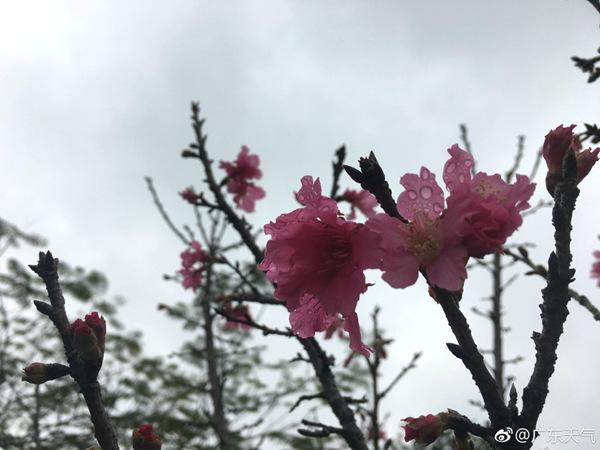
(467, 144)
(338, 167)
(411, 365)
(518, 157)
(163, 213)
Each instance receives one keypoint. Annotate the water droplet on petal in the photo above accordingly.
(412, 195)
(426, 192)
(425, 173)
(450, 168)
(437, 208)
(461, 178)
(468, 163)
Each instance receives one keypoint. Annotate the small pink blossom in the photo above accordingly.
(556, 145)
(239, 312)
(189, 195)
(239, 173)
(596, 267)
(245, 194)
(192, 265)
(362, 200)
(314, 255)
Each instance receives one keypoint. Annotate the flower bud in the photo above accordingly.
(35, 373)
(98, 325)
(144, 438)
(425, 429)
(85, 341)
(190, 195)
(557, 144)
(38, 373)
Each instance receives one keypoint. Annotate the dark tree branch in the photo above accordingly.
(371, 177)
(595, 4)
(473, 359)
(467, 144)
(338, 167)
(518, 158)
(252, 323)
(322, 430)
(219, 420)
(462, 424)
(555, 296)
(319, 360)
(252, 297)
(496, 318)
(223, 205)
(84, 375)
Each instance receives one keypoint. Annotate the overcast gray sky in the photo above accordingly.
(95, 95)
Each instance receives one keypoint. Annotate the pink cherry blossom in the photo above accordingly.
(313, 251)
(432, 245)
(481, 213)
(194, 254)
(192, 262)
(490, 208)
(596, 267)
(239, 173)
(556, 145)
(239, 312)
(244, 167)
(362, 200)
(422, 195)
(310, 317)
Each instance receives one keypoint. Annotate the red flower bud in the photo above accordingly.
(85, 341)
(556, 146)
(425, 429)
(190, 195)
(98, 325)
(144, 438)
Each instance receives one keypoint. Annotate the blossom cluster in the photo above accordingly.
(316, 257)
(192, 265)
(240, 174)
